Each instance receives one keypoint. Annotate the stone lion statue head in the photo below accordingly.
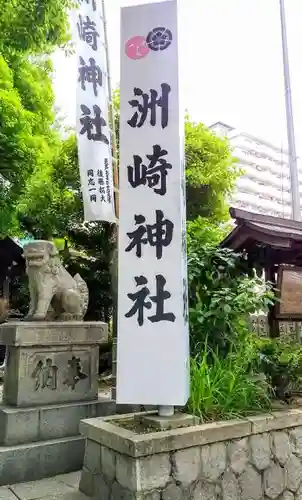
(39, 253)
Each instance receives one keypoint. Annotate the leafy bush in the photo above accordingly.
(281, 362)
(19, 300)
(229, 387)
(94, 244)
(203, 231)
(221, 297)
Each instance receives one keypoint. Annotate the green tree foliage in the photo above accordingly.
(211, 172)
(32, 27)
(50, 205)
(28, 141)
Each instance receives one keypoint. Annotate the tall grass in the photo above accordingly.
(223, 388)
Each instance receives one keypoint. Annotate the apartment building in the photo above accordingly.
(265, 185)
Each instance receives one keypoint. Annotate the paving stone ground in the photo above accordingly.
(64, 487)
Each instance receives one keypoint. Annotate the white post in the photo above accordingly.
(166, 411)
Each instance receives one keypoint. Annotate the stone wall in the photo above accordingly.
(255, 459)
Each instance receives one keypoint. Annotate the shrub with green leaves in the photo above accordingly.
(221, 297)
(281, 362)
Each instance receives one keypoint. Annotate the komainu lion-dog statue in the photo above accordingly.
(54, 294)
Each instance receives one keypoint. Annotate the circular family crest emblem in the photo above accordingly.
(136, 47)
(159, 38)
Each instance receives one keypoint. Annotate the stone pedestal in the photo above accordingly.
(50, 384)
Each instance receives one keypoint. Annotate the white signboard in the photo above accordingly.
(153, 340)
(93, 132)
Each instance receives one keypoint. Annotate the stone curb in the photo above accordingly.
(104, 431)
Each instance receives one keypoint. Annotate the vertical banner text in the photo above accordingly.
(153, 345)
(93, 131)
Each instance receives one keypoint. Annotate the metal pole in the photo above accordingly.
(114, 265)
(294, 179)
(292, 155)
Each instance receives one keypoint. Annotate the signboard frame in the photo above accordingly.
(280, 314)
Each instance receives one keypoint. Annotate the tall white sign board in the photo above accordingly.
(93, 132)
(153, 340)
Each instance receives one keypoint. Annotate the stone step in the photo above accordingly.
(34, 461)
(27, 425)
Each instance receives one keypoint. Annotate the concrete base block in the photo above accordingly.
(27, 425)
(30, 462)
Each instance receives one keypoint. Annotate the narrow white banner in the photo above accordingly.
(153, 338)
(93, 131)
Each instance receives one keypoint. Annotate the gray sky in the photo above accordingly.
(233, 64)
